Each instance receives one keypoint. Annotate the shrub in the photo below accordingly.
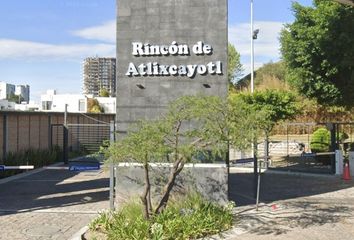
(188, 218)
(36, 157)
(320, 141)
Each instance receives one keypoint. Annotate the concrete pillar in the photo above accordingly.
(339, 162)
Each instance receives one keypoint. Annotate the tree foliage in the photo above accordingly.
(319, 53)
(271, 76)
(15, 98)
(277, 105)
(104, 93)
(93, 106)
(191, 125)
(234, 64)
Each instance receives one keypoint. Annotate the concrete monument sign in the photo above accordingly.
(167, 49)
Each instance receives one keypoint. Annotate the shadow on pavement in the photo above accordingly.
(275, 187)
(54, 189)
(290, 215)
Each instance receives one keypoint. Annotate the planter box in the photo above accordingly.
(210, 180)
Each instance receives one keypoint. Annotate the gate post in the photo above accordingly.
(333, 129)
(112, 185)
(65, 137)
(339, 162)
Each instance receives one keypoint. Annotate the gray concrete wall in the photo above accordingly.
(160, 22)
(210, 180)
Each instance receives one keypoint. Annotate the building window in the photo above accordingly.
(82, 105)
(47, 105)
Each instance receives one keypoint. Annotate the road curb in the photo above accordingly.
(79, 234)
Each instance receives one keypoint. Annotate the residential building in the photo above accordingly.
(6, 90)
(5, 105)
(53, 102)
(24, 92)
(99, 73)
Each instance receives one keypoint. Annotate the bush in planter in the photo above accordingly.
(188, 217)
(321, 142)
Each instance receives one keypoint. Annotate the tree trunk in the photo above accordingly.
(176, 169)
(145, 199)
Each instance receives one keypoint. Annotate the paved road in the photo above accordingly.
(294, 207)
(52, 204)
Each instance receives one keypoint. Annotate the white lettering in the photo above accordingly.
(173, 70)
(182, 70)
(218, 68)
(202, 69)
(198, 48)
(164, 50)
(191, 70)
(137, 49)
(211, 68)
(156, 69)
(173, 49)
(132, 71)
(183, 50)
(207, 49)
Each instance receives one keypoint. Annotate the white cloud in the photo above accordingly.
(27, 50)
(267, 45)
(105, 32)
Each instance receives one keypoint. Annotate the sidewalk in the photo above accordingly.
(51, 204)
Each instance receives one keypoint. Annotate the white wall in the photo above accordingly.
(6, 105)
(108, 104)
(71, 100)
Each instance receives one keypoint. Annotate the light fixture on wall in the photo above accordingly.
(141, 86)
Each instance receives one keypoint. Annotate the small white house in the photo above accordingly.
(31, 106)
(5, 105)
(51, 101)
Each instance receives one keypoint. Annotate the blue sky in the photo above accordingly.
(43, 42)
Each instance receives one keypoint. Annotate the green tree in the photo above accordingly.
(191, 125)
(277, 105)
(318, 52)
(234, 64)
(104, 93)
(15, 98)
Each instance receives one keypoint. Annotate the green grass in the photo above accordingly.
(36, 157)
(188, 218)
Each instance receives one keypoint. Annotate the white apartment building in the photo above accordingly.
(6, 90)
(51, 101)
(24, 92)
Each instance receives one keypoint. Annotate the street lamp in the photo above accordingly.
(254, 35)
(252, 50)
(257, 176)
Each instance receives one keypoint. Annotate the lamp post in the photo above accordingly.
(256, 172)
(252, 49)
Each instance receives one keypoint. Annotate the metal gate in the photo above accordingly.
(291, 148)
(83, 139)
